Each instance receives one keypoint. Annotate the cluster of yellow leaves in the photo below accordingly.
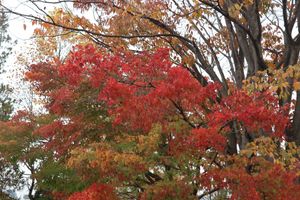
(277, 81)
(189, 60)
(103, 158)
(51, 41)
(124, 157)
(13, 134)
(220, 40)
(248, 2)
(267, 148)
(272, 40)
(234, 11)
(148, 144)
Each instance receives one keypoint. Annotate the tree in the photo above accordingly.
(5, 39)
(215, 32)
(9, 173)
(27, 164)
(6, 102)
(180, 143)
(136, 106)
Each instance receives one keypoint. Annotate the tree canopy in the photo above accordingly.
(162, 99)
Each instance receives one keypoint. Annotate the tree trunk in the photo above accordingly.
(294, 133)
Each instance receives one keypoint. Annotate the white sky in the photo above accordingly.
(21, 30)
(23, 36)
(16, 29)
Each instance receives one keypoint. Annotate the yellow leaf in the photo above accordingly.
(297, 85)
(189, 60)
(271, 64)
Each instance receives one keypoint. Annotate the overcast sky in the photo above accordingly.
(23, 37)
(20, 30)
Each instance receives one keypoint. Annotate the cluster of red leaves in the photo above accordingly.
(148, 86)
(140, 90)
(145, 86)
(272, 182)
(205, 138)
(58, 130)
(179, 92)
(175, 190)
(44, 77)
(59, 195)
(254, 112)
(197, 141)
(95, 192)
(62, 97)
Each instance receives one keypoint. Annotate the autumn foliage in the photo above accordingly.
(164, 100)
(95, 191)
(148, 124)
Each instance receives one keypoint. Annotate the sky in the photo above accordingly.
(23, 38)
(20, 30)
